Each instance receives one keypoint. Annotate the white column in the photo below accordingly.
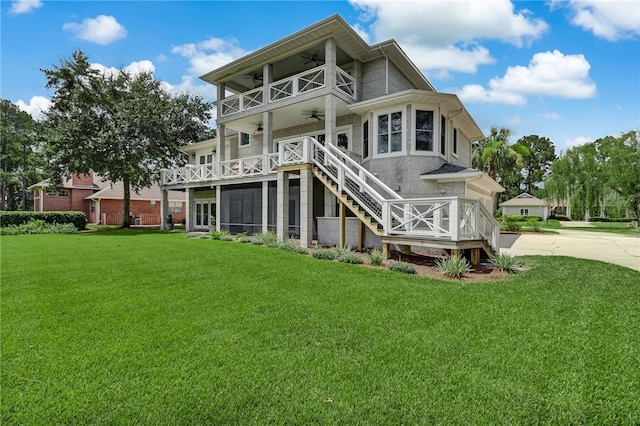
(306, 208)
(220, 149)
(267, 132)
(265, 206)
(283, 205)
(329, 100)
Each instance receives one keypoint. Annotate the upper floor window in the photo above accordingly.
(58, 193)
(454, 145)
(443, 135)
(245, 139)
(390, 133)
(206, 159)
(424, 130)
(365, 139)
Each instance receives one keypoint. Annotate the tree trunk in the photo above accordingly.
(3, 182)
(126, 222)
(24, 178)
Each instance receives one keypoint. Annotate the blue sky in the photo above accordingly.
(563, 69)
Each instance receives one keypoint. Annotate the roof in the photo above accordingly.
(453, 173)
(68, 184)
(334, 26)
(116, 192)
(524, 200)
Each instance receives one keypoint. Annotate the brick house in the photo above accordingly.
(102, 201)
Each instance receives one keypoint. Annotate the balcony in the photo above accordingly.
(288, 88)
(222, 170)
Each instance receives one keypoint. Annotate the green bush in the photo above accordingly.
(534, 226)
(78, 219)
(38, 226)
(268, 238)
(340, 251)
(290, 245)
(350, 258)
(323, 254)
(510, 225)
(218, 235)
(454, 267)
(376, 257)
(560, 217)
(402, 267)
(519, 218)
(506, 262)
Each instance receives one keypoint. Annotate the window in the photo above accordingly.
(390, 133)
(424, 130)
(454, 147)
(245, 139)
(443, 135)
(175, 206)
(524, 212)
(365, 140)
(343, 141)
(58, 193)
(153, 204)
(208, 159)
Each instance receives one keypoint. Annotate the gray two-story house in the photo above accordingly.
(322, 136)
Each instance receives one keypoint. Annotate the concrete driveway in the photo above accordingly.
(613, 248)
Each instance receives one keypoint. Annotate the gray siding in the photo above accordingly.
(374, 81)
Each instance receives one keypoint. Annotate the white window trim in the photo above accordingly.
(240, 140)
(373, 135)
(436, 131)
(348, 129)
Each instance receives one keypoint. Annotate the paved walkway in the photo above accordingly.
(613, 248)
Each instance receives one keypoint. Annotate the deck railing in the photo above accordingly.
(304, 82)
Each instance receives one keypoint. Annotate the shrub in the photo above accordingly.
(257, 241)
(506, 262)
(350, 258)
(268, 238)
(289, 245)
(522, 218)
(78, 219)
(510, 225)
(376, 257)
(245, 239)
(405, 268)
(226, 237)
(323, 254)
(218, 235)
(340, 251)
(454, 267)
(37, 226)
(560, 217)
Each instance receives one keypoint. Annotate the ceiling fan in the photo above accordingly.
(257, 78)
(315, 58)
(314, 114)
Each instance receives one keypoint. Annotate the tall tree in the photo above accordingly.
(21, 159)
(536, 164)
(124, 127)
(621, 166)
(501, 160)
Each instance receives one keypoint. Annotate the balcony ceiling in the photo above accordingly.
(289, 116)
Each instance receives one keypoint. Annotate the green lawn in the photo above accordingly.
(133, 327)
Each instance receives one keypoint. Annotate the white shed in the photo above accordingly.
(525, 205)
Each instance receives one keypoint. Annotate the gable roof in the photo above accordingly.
(454, 173)
(524, 200)
(115, 191)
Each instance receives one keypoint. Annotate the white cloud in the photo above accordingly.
(187, 85)
(611, 20)
(19, 7)
(209, 54)
(134, 68)
(102, 29)
(447, 35)
(36, 107)
(554, 116)
(548, 73)
(580, 140)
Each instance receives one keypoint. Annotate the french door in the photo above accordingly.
(205, 212)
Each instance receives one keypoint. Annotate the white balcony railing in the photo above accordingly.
(304, 82)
